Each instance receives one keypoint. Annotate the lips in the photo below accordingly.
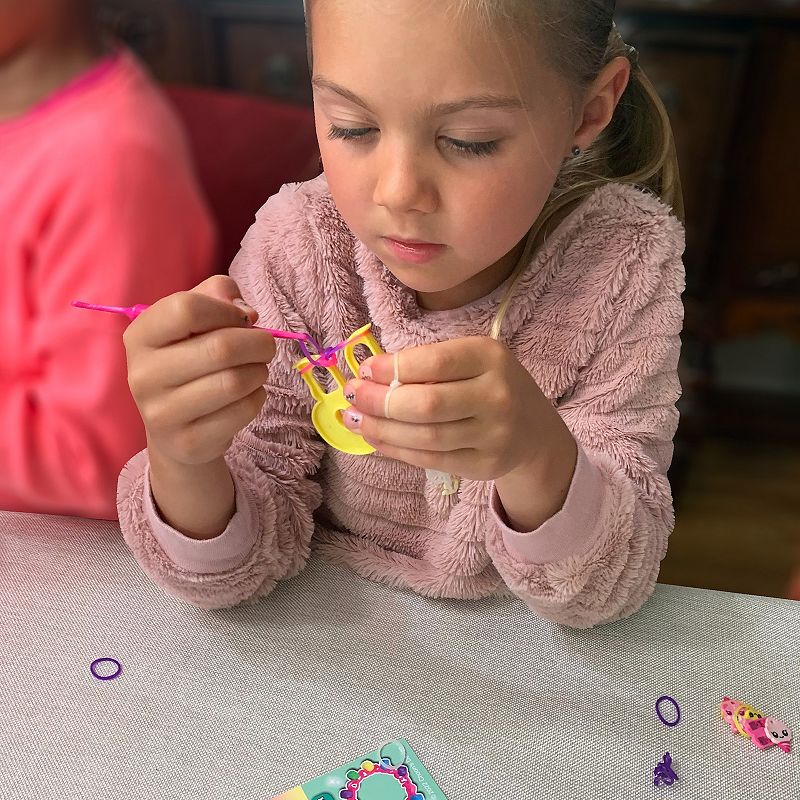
(409, 240)
(414, 252)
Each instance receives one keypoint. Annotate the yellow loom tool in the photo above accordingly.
(327, 411)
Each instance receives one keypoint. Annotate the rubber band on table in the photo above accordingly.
(93, 668)
(665, 698)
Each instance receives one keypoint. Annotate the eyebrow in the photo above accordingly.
(483, 101)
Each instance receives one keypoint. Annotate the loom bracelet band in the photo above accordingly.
(667, 699)
(329, 352)
(115, 674)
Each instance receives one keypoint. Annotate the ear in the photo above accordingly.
(601, 100)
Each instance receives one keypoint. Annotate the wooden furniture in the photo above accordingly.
(729, 74)
(794, 588)
(251, 46)
(728, 71)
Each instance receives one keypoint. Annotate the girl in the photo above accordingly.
(496, 201)
(97, 199)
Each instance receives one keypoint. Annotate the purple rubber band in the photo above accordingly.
(327, 357)
(105, 677)
(668, 699)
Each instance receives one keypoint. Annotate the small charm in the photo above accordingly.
(779, 733)
(742, 715)
(763, 732)
(663, 773)
(727, 708)
(736, 713)
(769, 732)
(449, 483)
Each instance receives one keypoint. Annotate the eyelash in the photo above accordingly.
(462, 148)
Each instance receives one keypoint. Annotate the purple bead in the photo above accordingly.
(402, 771)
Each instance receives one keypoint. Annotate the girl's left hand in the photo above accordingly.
(466, 407)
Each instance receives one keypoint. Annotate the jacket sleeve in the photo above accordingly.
(273, 461)
(126, 230)
(597, 559)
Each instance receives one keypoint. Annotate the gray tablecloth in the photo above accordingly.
(246, 702)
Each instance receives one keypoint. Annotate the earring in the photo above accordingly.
(576, 151)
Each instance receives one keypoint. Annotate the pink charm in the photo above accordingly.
(727, 708)
(755, 730)
(778, 733)
(769, 732)
(743, 714)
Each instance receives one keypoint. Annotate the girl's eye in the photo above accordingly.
(457, 145)
(336, 132)
(471, 148)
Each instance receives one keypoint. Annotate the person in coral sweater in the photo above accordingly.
(99, 202)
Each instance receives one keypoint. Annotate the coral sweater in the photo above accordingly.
(596, 321)
(98, 202)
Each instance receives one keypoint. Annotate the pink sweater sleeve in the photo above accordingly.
(598, 558)
(128, 228)
(273, 461)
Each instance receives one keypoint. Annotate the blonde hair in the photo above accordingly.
(636, 148)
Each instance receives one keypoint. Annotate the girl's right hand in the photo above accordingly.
(196, 369)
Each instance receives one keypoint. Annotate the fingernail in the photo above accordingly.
(249, 311)
(352, 419)
(365, 372)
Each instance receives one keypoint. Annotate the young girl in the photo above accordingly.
(496, 201)
(98, 200)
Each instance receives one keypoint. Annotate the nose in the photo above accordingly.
(403, 183)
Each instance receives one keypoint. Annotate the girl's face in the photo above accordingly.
(432, 131)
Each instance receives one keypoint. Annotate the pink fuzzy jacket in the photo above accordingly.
(596, 320)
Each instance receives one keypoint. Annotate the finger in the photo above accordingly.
(225, 288)
(205, 396)
(438, 438)
(206, 354)
(431, 403)
(455, 360)
(215, 431)
(452, 462)
(182, 315)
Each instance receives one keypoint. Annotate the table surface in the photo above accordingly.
(246, 702)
